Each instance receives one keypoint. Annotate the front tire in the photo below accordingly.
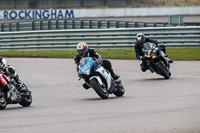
(120, 91)
(163, 71)
(27, 98)
(101, 91)
(26, 101)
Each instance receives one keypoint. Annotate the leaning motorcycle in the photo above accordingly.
(156, 60)
(9, 93)
(95, 76)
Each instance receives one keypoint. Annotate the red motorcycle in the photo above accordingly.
(10, 94)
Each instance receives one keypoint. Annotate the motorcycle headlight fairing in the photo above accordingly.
(86, 70)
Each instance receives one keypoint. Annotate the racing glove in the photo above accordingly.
(141, 57)
(99, 60)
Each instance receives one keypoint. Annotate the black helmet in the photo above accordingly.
(140, 38)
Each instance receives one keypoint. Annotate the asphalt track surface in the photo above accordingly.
(151, 104)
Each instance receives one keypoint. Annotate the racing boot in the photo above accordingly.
(170, 61)
(150, 69)
(19, 84)
(115, 76)
(85, 85)
(108, 66)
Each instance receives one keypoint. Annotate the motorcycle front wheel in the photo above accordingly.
(163, 71)
(101, 91)
(26, 98)
(120, 91)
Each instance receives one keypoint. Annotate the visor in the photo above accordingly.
(81, 51)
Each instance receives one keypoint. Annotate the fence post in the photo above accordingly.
(9, 24)
(64, 24)
(136, 25)
(169, 20)
(105, 3)
(82, 3)
(48, 24)
(1, 27)
(108, 24)
(32, 25)
(90, 24)
(81, 22)
(72, 24)
(99, 24)
(56, 24)
(40, 25)
(163, 2)
(17, 26)
(117, 24)
(126, 24)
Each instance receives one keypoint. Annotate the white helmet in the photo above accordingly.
(82, 48)
(2, 63)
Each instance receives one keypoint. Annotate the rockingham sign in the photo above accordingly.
(37, 14)
(103, 12)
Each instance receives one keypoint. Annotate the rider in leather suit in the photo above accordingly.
(10, 71)
(83, 51)
(140, 40)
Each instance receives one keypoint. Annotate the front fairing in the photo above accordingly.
(151, 52)
(88, 66)
(85, 67)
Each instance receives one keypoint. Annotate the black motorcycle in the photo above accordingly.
(156, 60)
(10, 94)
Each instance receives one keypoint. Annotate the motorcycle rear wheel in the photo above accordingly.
(102, 92)
(3, 103)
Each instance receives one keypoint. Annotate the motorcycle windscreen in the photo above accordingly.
(149, 46)
(85, 65)
(83, 61)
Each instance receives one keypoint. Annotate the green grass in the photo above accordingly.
(184, 53)
(173, 53)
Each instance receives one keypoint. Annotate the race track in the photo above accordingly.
(151, 104)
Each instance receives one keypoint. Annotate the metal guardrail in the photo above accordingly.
(78, 24)
(97, 38)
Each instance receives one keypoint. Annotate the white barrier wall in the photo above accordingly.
(107, 12)
(118, 12)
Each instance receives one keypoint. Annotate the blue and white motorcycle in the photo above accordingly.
(97, 77)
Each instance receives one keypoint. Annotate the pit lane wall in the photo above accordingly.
(103, 12)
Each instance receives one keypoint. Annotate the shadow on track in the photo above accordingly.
(16, 108)
(98, 99)
(153, 79)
